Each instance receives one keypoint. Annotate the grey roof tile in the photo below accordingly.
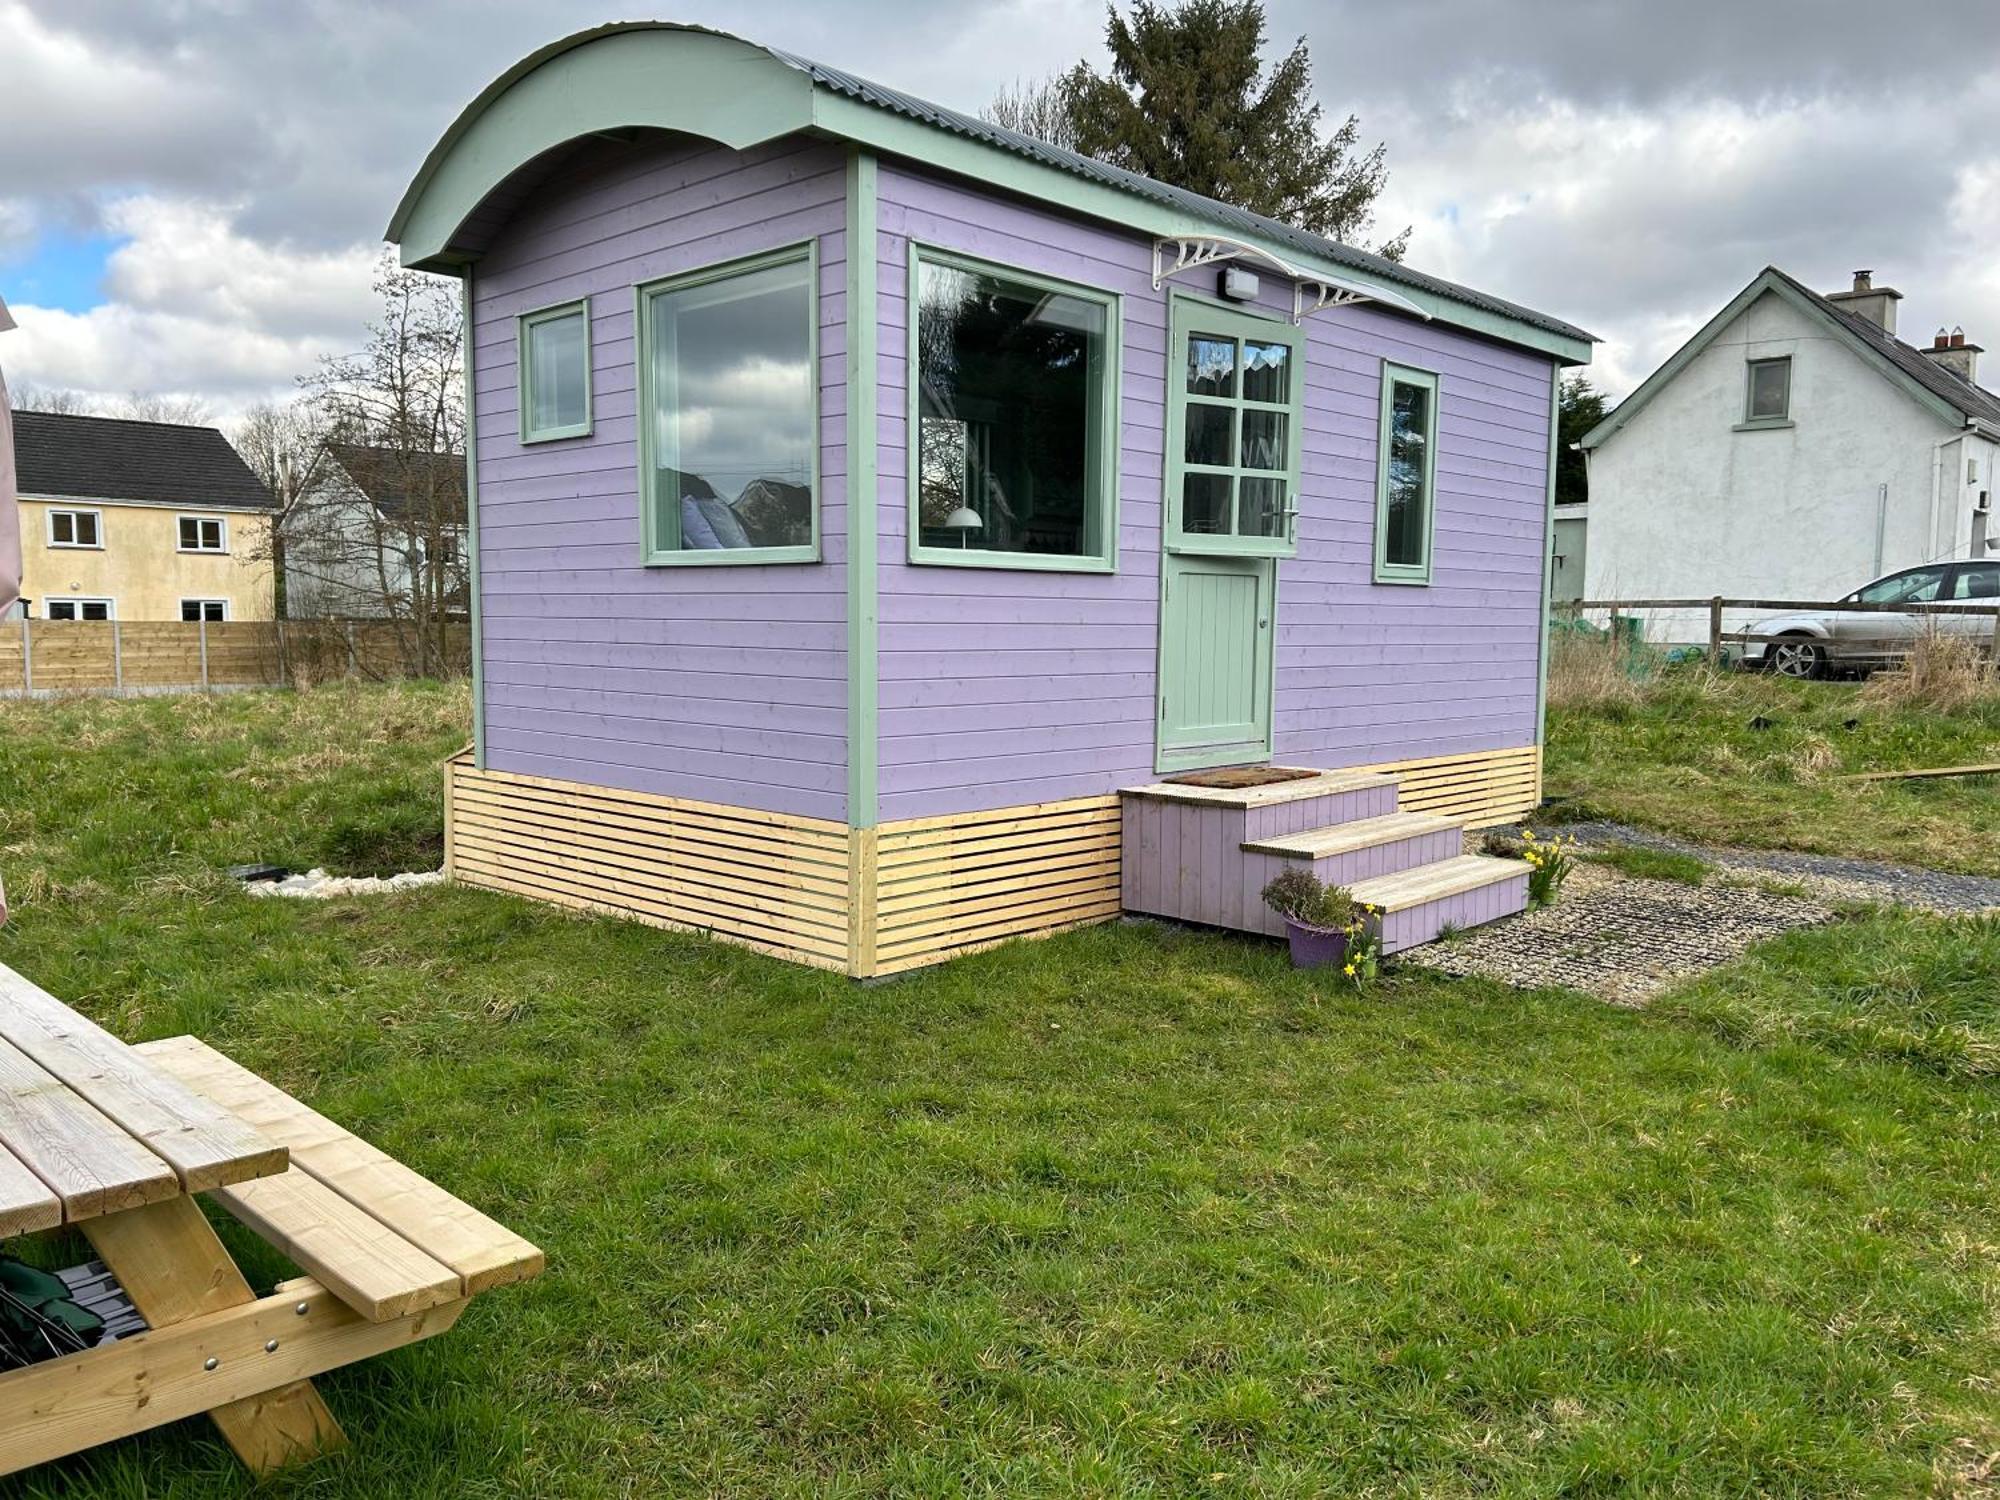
(113, 458)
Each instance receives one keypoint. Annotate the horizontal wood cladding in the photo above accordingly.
(85, 656)
(956, 883)
(1479, 789)
(770, 881)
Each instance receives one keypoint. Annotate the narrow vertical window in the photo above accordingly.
(729, 426)
(555, 373)
(1769, 397)
(1406, 478)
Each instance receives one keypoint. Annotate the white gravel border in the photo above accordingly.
(317, 885)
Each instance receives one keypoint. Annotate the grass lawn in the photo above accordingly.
(1757, 761)
(1132, 1211)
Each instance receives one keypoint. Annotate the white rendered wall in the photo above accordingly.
(1682, 505)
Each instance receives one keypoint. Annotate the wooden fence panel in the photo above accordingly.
(53, 656)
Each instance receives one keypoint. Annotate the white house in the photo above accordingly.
(378, 533)
(1793, 449)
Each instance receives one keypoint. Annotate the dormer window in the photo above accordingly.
(1769, 396)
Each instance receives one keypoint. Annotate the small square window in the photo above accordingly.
(214, 610)
(555, 373)
(202, 534)
(1770, 391)
(75, 528)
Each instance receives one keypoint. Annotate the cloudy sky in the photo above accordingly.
(192, 191)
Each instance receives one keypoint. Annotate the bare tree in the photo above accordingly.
(184, 411)
(50, 399)
(391, 510)
(1044, 110)
(284, 445)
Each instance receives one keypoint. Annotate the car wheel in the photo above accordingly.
(1798, 656)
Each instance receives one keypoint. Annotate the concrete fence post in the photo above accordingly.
(27, 653)
(204, 653)
(1715, 631)
(353, 663)
(117, 658)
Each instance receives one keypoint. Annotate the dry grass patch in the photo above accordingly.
(1943, 672)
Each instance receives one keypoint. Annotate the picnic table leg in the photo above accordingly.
(173, 1267)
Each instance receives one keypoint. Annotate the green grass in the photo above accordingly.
(1642, 863)
(1687, 759)
(1132, 1211)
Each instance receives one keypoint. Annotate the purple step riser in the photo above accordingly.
(1390, 858)
(1274, 820)
(1417, 925)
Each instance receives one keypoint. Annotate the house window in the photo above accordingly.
(79, 609)
(1013, 418)
(555, 372)
(76, 528)
(729, 441)
(1406, 476)
(203, 534)
(1769, 398)
(213, 610)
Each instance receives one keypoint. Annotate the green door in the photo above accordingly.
(1215, 660)
(1234, 381)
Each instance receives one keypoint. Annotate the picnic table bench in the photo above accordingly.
(117, 1140)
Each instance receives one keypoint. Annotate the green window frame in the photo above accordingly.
(1404, 569)
(1751, 370)
(660, 526)
(1100, 554)
(1215, 322)
(525, 327)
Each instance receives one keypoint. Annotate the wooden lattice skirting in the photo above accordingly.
(928, 889)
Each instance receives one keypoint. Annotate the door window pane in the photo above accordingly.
(1261, 508)
(1211, 365)
(1267, 373)
(1770, 389)
(555, 373)
(1205, 508)
(733, 413)
(1211, 434)
(1011, 422)
(1264, 444)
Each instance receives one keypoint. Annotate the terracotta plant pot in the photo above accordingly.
(1316, 947)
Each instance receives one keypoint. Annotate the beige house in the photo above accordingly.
(124, 520)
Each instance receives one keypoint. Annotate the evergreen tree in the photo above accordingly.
(1582, 407)
(1188, 101)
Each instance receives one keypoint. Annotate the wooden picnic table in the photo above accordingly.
(116, 1140)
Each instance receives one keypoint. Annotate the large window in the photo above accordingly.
(729, 413)
(76, 528)
(1406, 476)
(1767, 398)
(555, 372)
(1014, 422)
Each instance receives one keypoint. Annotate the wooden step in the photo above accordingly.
(1321, 784)
(1345, 838)
(1427, 883)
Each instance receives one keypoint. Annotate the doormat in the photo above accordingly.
(1236, 778)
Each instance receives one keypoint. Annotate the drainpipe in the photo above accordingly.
(1882, 522)
(1937, 497)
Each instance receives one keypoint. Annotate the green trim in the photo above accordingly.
(1750, 368)
(719, 87)
(1101, 521)
(524, 369)
(864, 328)
(473, 608)
(1770, 279)
(664, 551)
(1393, 375)
(1186, 310)
(1548, 560)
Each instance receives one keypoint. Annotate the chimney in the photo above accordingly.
(1866, 300)
(1956, 355)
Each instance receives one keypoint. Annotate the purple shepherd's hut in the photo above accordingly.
(893, 534)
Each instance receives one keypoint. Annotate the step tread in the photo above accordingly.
(1435, 882)
(1323, 784)
(1345, 838)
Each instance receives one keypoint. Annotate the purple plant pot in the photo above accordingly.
(1316, 947)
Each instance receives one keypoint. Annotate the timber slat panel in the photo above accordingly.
(26, 1204)
(480, 1252)
(206, 1147)
(1479, 788)
(90, 1164)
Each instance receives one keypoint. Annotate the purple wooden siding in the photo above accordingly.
(725, 684)
(1487, 903)
(1002, 687)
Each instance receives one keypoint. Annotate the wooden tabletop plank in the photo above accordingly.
(206, 1147)
(483, 1254)
(26, 1204)
(88, 1162)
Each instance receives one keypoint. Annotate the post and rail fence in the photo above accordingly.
(1719, 638)
(50, 657)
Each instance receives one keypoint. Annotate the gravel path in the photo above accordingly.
(1828, 876)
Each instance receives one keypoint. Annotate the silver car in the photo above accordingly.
(1816, 643)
